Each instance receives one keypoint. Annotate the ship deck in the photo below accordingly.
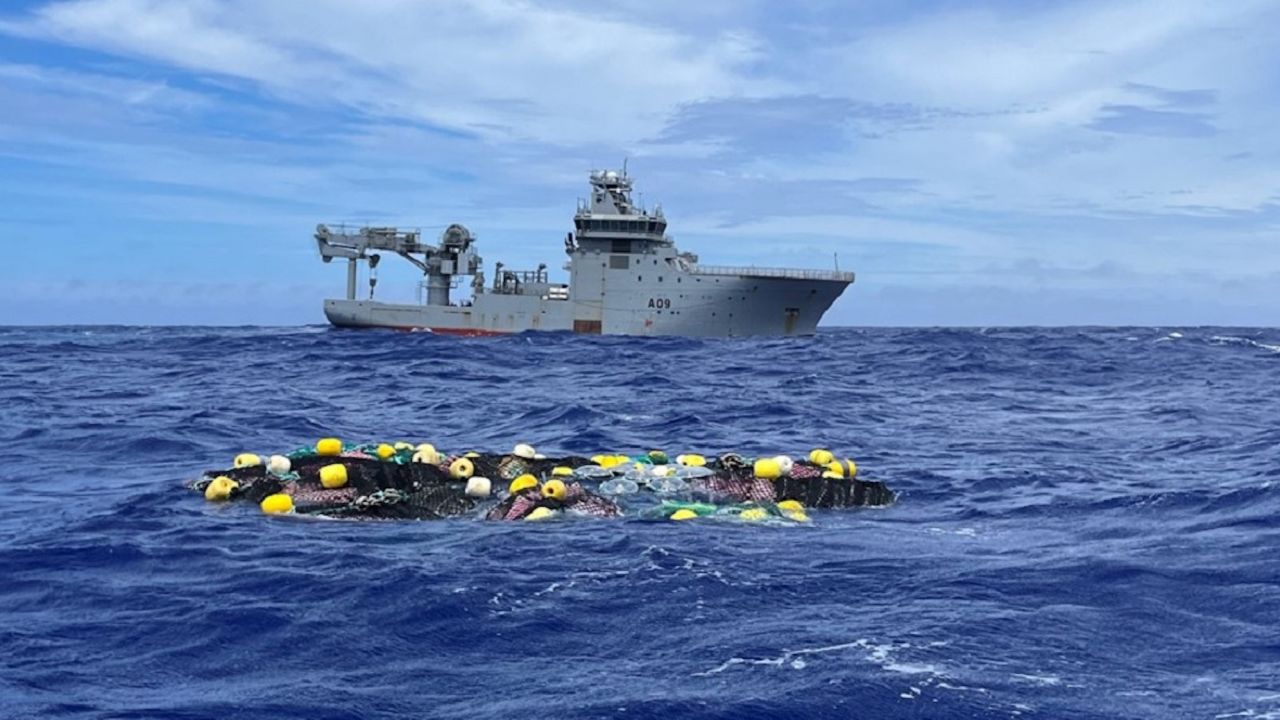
(773, 272)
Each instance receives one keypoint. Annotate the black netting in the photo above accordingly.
(486, 466)
(387, 489)
(820, 492)
(257, 491)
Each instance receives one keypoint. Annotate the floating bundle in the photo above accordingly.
(406, 481)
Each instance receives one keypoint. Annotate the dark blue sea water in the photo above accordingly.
(1088, 528)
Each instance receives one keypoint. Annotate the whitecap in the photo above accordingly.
(880, 654)
(1233, 340)
(1251, 713)
(1042, 680)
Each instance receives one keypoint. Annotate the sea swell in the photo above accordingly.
(1086, 528)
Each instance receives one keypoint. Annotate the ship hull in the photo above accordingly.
(699, 306)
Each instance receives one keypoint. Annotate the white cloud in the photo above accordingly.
(1076, 133)
(1031, 82)
(136, 92)
(1033, 57)
(500, 68)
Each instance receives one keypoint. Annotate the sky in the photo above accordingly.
(1013, 162)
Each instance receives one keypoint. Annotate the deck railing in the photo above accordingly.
(773, 272)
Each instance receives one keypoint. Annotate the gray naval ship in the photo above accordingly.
(626, 277)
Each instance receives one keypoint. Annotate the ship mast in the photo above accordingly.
(610, 221)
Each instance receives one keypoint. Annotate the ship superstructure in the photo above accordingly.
(626, 277)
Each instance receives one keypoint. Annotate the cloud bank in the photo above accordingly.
(1003, 162)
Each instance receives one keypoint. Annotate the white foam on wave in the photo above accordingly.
(589, 580)
(697, 568)
(962, 532)
(879, 654)
(555, 586)
(593, 577)
(1271, 713)
(948, 686)
(787, 657)
(1233, 340)
(1042, 680)
(1251, 713)
(920, 678)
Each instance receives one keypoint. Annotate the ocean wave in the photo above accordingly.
(1086, 522)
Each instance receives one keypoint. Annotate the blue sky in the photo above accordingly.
(980, 163)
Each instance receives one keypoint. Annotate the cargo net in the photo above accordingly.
(403, 481)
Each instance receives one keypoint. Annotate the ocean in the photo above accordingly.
(1088, 526)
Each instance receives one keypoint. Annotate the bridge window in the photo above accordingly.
(621, 246)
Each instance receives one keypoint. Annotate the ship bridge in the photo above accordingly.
(610, 215)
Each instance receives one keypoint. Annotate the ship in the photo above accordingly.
(626, 277)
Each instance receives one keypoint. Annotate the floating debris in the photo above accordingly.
(406, 481)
